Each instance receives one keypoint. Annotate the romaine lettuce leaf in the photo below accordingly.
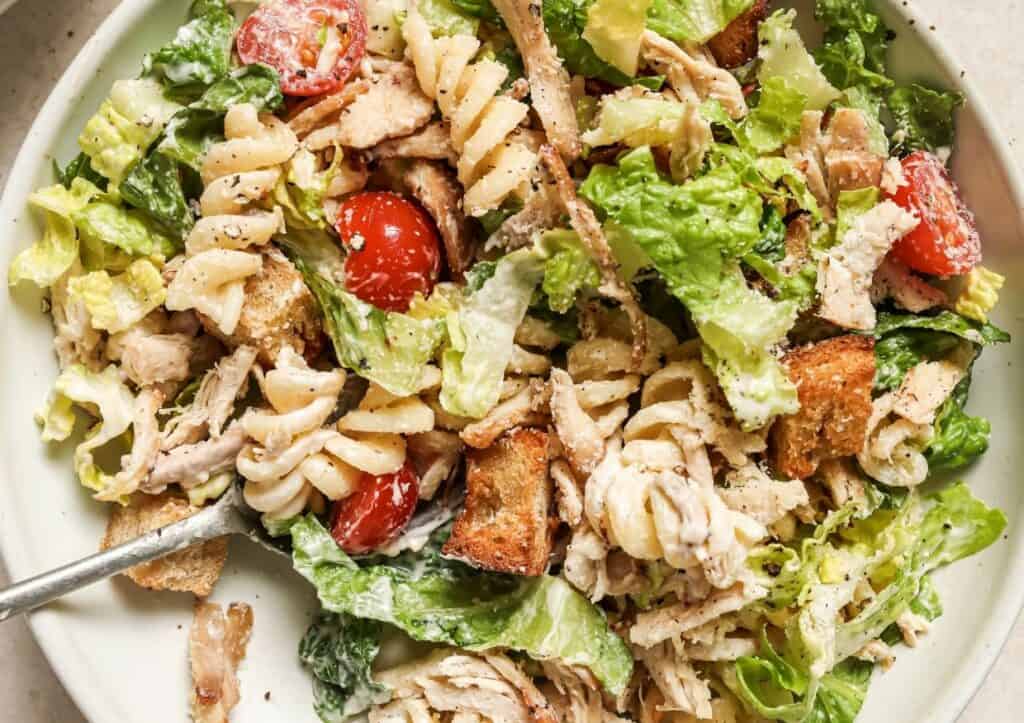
(959, 438)
(79, 167)
(103, 223)
(127, 122)
(200, 53)
(192, 130)
(49, 258)
(852, 55)
(153, 186)
(852, 204)
(446, 18)
(339, 651)
(871, 106)
(980, 293)
(644, 121)
(614, 29)
(783, 54)
(117, 302)
(564, 21)
(775, 119)
(567, 270)
(694, 235)
(693, 20)
(385, 347)
(924, 117)
(773, 177)
(474, 364)
(444, 601)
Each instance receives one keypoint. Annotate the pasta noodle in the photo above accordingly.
(492, 163)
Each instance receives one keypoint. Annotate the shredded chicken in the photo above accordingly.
(214, 401)
(846, 272)
(435, 454)
(432, 142)
(693, 73)
(758, 496)
(541, 210)
(217, 644)
(877, 652)
(655, 626)
(575, 695)
(527, 407)
(809, 158)
(579, 434)
(842, 481)
(135, 467)
(74, 339)
(549, 82)
(149, 356)
(437, 189)
(193, 464)
(585, 223)
(676, 678)
(849, 160)
(309, 117)
(895, 281)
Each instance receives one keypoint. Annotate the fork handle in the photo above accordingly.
(214, 521)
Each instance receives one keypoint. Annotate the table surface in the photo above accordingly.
(38, 38)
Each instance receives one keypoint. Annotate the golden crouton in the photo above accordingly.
(194, 570)
(279, 310)
(506, 525)
(834, 379)
(737, 43)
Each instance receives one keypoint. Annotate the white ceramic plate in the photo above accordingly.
(121, 652)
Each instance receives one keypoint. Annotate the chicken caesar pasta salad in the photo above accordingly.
(605, 346)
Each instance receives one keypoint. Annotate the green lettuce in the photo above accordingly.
(339, 651)
(852, 204)
(644, 121)
(564, 21)
(301, 192)
(959, 438)
(567, 270)
(443, 601)
(192, 130)
(695, 234)
(49, 258)
(783, 54)
(103, 223)
(200, 53)
(871, 106)
(481, 340)
(446, 18)
(385, 347)
(125, 125)
(853, 52)
(153, 186)
(924, 117)
(79, 167)
(614, 29)
(693, 20)
(117, 302)
(774, 120)
(774, 177)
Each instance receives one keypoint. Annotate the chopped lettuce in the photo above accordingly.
(695, 234)
(200, 53)
(153, 186)
(614, 29)
(79, 167)
(105, 396)
(192, 130)
(446, 18)
(871, 107)
(49, 258)
(651, 120)
(775, 119)
(436, 600)
(693, 20)
(959, 438)
(103, 223)
(783, 54)
(852, 204)
(924, 117)
(567, 270)
(383, 346)
(301, 192)
(774, 177)
(855, 45)
(481, 344)
(339, 650)
(564, 21)
(127, 122)
(117, 302)
(980, 294)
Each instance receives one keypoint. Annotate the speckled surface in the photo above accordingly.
(38, 38)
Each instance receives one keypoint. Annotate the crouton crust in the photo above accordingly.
(506, 525)
(737, 43)
(194, 570)
(279, 311)
(834, 380)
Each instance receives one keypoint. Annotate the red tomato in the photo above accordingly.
(946, 242)
(393, 249)
(288, 35)
(376, 512)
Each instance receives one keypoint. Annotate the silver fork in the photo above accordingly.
(230, 515)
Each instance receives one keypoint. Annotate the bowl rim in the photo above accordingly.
(42, 134)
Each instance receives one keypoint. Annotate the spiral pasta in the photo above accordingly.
(492, 163)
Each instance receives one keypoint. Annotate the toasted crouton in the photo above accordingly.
(834, 379)
(737, 44)
(506, 525)
(194, 570)
(279, 311)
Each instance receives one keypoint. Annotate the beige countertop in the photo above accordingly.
(38, 38)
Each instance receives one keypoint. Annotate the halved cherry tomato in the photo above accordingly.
(376, 512)
(946, 242)
(393, 249)
(292, 35)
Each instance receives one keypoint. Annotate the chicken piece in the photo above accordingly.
(737, 43)
(676, 679)
(758, 496)
(834, 380)
(308, 117)
(809, 158)
(693, 74)
(549, 82)
(437, 189)
(393, 106)
(842, 480)
(279, 311)
(895, 281)
(194, 569)
(193, 464)
(847, 271)
(434, 454)
(148, 356)
(214, 401)
(575, 695)
(585, 223)
(925, 387)
(526, 407)
(506, 524)
(432, 142)
(849, 160)
(664, 623)
(540, 211)
(581, 438)
(135, 467)
(217, 644)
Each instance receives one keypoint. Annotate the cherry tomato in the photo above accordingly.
(946, 242)
(393, 249)
(376, 512)
(290, 35)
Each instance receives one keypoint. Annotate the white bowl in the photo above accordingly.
(121, 651)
